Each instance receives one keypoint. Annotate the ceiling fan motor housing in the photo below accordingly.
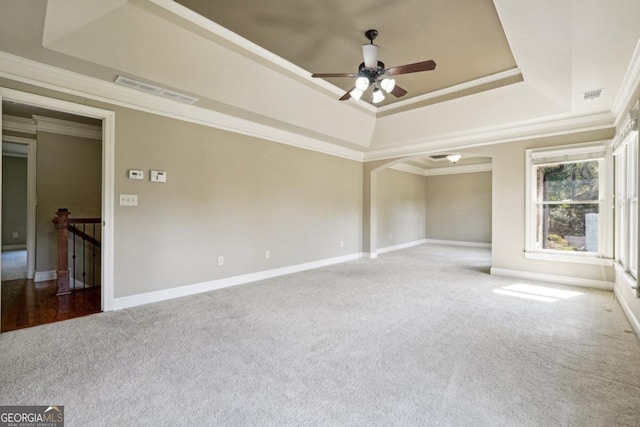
(371, 73)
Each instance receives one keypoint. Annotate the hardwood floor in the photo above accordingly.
(25, 304)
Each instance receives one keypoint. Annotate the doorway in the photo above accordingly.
(32, 300)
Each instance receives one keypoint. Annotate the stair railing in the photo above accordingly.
(83, 233)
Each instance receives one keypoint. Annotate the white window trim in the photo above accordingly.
(627, 253)
(597, 150)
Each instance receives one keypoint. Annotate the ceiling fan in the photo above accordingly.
(372, 73)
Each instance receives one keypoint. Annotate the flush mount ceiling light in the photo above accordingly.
(453, 158)
(373, 74)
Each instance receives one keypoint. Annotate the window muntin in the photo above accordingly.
(626, 164)
(568, 206)
(566, 190)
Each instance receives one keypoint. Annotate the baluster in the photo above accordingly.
(84, 258)
(93, 259)
(62, 225)
(73, 257)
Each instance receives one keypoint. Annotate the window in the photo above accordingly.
(625, 153)
(567, 216)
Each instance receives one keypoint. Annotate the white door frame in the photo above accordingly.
(108, 145)
(31, 199)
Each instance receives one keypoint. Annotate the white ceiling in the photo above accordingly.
(560, 49)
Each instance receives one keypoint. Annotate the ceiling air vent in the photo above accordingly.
(178, 96)
(125, 81)
(155, 90)
(591, 94)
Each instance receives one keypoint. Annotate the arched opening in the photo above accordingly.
(427, 198)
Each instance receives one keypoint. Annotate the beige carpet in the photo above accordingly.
(419, 337)
(14, 265)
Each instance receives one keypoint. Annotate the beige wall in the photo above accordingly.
(459, 207)
(14, 200)
(401, 208)
(226, 195)
(235, 196)
(508, 218)
(68, 175)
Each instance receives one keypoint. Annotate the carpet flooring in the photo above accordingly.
(14, 265)
(418, 337)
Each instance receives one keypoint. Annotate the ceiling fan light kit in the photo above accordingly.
(378, 96)
(372, 73)
(453, 158)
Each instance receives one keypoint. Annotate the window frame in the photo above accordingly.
(537, 157)
(626, 153)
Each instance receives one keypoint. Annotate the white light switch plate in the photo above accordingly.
(128, 200)
(136, 174)
(158, 176)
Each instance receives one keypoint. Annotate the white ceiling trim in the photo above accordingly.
(538, 128)
(629, 84)
(483, 167)
(18, 124)
(450, 170)
(452, 89)
(32, 72)
(35, 73)
(65, 127)
(254, 49)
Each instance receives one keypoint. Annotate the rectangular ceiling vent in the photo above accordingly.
(155, 90)
(178, 96)
(591, 94)
(125, 81)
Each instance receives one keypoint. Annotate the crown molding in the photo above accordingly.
(46, 76)
(65, 127)
(18, 124)
(51, 125)
(390, 109)
(449, 170)
(249, 49)
(630, 82)
(529, 129)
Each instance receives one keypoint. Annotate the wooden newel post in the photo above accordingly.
(62, 224)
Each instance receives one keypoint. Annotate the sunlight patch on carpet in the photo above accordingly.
(537, 293)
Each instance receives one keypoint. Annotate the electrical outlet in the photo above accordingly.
(15, 234)
(128, 200)
(267, 254)
(220, 260)
(342, 243)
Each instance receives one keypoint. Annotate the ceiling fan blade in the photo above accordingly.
(398, 91)
(412, 68)
(325, 75)
(347, 95)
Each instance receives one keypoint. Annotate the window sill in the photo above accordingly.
(560, 257)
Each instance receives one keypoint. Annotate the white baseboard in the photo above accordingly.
(552, 278)
(43, 276)
(181, 291)
(633, 320)
(458, 243)
(401, 246)
(14, 247)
